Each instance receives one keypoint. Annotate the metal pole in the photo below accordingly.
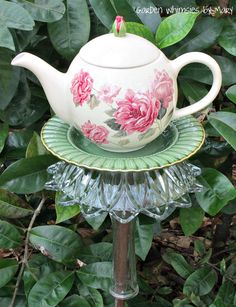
(124, 263)
(119, 303)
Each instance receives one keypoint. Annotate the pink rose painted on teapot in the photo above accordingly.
(97, 134)
(120, 91)
(108, 93)
(137, 112)
(130, 113)
(163, 88)
(81, 87)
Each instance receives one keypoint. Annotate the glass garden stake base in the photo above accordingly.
(124, 261)
(153, 181)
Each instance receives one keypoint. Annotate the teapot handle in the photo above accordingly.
(202, 58)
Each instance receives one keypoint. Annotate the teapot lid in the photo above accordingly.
(119, 49)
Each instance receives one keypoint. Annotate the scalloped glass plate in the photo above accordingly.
(182, 139)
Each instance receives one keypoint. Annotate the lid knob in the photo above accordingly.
(119, 28)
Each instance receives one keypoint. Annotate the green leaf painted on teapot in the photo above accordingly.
(112, 124)
(110, 112)
(161, 113)
(147, 134)
(124, 142)
(93, 102)
(120, 134)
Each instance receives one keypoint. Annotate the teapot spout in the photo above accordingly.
(54, 83)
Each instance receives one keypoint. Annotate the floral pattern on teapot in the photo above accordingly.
(135, 112)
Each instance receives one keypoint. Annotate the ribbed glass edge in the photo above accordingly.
(124, 195)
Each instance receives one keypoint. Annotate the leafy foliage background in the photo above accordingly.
(188, 260)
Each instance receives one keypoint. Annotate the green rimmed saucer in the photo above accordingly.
(182, 139)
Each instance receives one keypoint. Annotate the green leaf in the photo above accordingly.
(96, 221)
(152, 19)
(23, 110)
(165, 290)
(161, 302)
(202, 36)
(18, 108)
(120, 134)
(202, 73)
(23, 39)
(141, 301)
(181, 303)
(105, 11)
(162, 113)
(44, 10)
(146, 134)
(64, 213)
(92, 295)
(225, 124)
(96, 275)
(220, 303)
(112, 124)
(225, 294)
(217, 191)
(35, 147)
(27, 175)
(36, 110)
(144, 287)
(8, 268)
(231, 93)
(71, 32)
(206, 257)
(7, 290)
(215, 147)
(227, 36)
(179, 263)
(75, 301)
(174, 28)
(9, 235)
(200, 282)
(195, 299)
(191, 219)
(232, 3)
(19, 302)
(193, 91)
(110, 112)
(123, 142)
(51, 289)
(140, 30)
(93, 102)
(97, 252)
(199, 247)
(3, 135)
(222, 266)
(230, 208)
(102, 250)
(143, 238)
(177, 4)
(124, 8)
(38, 267)
(14, 16)
(6, 39)
(9, 78)
(58, 243)
(231, 270)
(16, 144)
(12, 206)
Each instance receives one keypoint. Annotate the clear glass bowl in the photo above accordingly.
(155, 193)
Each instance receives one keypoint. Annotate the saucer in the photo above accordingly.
(182, 139)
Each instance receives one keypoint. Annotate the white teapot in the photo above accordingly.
(120, 91)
